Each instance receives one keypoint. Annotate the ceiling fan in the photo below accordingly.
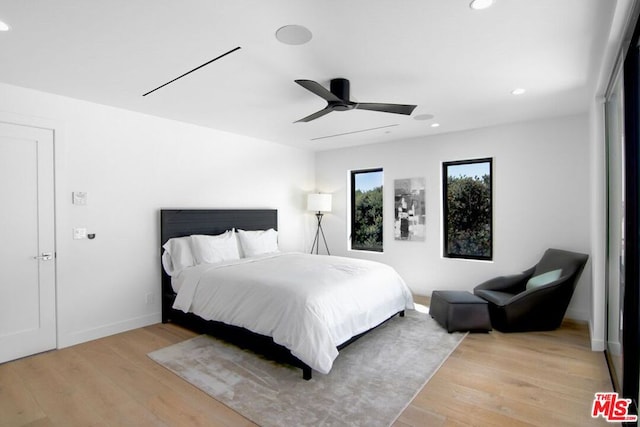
(338, 100)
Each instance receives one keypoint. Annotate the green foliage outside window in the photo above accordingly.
(366, 209)
(367, 230)
(468, 214)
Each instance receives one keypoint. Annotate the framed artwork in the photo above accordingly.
(410, 218)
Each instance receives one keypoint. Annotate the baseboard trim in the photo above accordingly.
(580, 315)
(596, 344)
(79, 337)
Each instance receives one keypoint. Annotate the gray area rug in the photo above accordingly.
(371, 383)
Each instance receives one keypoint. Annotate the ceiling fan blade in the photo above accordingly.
(315, 115)
(387, 108)
(318, 89)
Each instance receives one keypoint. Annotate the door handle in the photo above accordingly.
(44, 256)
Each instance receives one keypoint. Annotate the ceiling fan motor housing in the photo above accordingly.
(341, 88)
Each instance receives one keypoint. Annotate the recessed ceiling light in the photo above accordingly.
(423, 117)
(480, 4)
(4, 26)
(518, 91)
(293, 34)
(435, 125)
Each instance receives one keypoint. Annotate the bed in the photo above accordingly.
(298, 309)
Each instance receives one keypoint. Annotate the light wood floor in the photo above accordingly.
(495, 379)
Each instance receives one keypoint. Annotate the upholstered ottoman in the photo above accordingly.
(460, 311)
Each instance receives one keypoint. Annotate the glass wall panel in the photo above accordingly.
(614, 116)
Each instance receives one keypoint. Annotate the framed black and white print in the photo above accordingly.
(410, 217)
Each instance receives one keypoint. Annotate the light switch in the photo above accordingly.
(79, 198)
(79, 233)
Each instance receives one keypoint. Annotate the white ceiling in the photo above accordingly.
(455, 63)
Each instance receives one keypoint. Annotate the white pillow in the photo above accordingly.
(258, 242)
(214, 249)
(177, 255)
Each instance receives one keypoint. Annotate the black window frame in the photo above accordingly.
(445, 175)
(353, 247)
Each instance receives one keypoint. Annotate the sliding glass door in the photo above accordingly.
(614, 110)
(622, 113)
(631, 252)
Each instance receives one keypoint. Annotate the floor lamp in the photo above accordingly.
(319, 203)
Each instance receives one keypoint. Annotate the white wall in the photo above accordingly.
(541, 199)
(131, 165)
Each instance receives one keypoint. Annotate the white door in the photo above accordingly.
(27, 252)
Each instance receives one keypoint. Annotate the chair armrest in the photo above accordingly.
(545, 305)
(514, 283)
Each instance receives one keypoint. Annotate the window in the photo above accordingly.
(468, 231)
(366, 210)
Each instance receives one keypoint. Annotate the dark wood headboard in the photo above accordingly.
(184, 222)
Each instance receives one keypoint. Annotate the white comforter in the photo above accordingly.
(309, 304)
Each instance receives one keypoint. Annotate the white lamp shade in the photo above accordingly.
(319, 202)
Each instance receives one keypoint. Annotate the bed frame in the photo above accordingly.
(184, 222)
